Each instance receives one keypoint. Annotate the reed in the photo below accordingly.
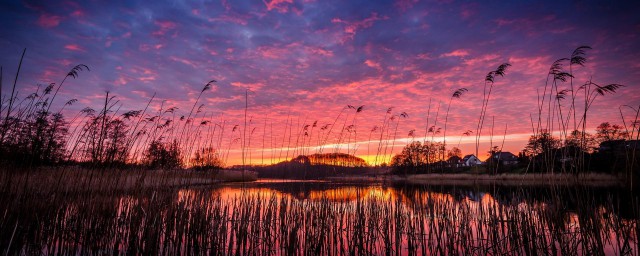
(456, 95)
(128, 217)
(566, 120)
(486, 94)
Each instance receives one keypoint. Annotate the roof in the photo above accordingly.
(465, 158)
(505, 156)
(619, 145)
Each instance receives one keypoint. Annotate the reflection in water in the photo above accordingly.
(297, 217)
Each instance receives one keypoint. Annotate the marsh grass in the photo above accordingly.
(359, 221)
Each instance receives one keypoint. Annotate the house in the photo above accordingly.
(619, 146)
(504, 158)
(470, 160)
(454, 161)
(616, 155)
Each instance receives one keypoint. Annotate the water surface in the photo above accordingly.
(319, 217)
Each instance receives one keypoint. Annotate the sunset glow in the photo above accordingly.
(301, 63)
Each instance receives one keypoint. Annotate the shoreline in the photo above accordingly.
(77, 179)
(530, 179)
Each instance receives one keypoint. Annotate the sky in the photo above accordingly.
(305, 61)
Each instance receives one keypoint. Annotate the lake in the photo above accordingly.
(289, 217)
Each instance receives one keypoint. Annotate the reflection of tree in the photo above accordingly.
(319, 190)
(442, 219)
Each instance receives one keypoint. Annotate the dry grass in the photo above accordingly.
(77, 179)
(236, 176)
(404, 222)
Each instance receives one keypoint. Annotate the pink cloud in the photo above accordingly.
(77, 13)
(424, 56)
(122, 80)
(468, 10)
(352, 27)
(226, 5)
(456, 53)
(237, 19)
(183, 61)
(320, 51)
(373, 64)
(528, 25)
(164, 27)
(65, 62)
(279, 5)
(147, 47)
(48, 21)
(147, 78)
(404, 5)
(49, 75)
(271, 52)
(251, 86)
(74, 47)
(481, 60)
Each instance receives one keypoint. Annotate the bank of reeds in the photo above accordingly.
(406, 221)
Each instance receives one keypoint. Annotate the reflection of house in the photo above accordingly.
(454, 161)
(504, 158)
(470, 160)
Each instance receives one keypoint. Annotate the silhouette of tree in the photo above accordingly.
(454, 152)
(608, 132)
(161, 155)
(541, 144)
(207, 158)
(417, 156)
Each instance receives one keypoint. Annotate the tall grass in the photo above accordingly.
(456, 95)
(353, 221)
(569, 121)
(486, 95)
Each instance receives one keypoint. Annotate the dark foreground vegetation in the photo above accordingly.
(349, 219)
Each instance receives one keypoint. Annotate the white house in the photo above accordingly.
(470, 160)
